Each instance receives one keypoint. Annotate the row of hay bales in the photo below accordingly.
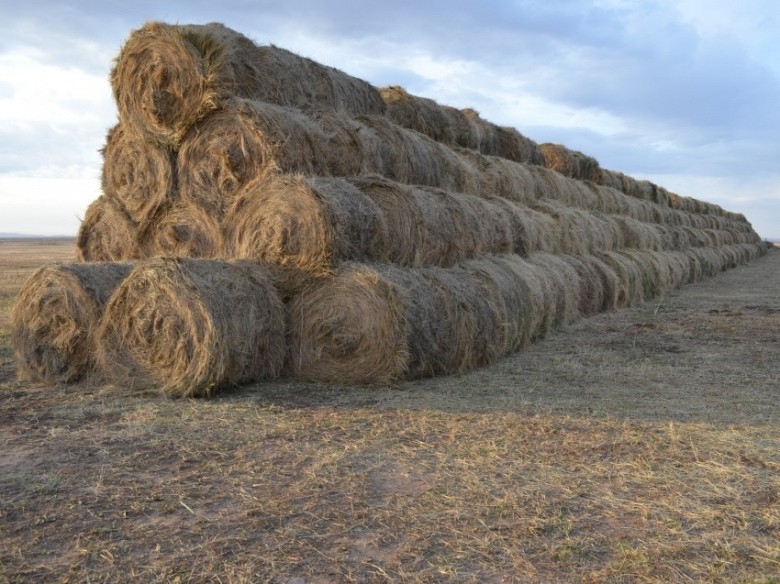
(189, 327)
(263, 215)
(191, 201)
(465, 128)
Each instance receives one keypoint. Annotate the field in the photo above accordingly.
(634, 446)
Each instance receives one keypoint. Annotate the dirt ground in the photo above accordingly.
(635, 446)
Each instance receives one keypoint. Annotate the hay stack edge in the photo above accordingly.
(265, 215)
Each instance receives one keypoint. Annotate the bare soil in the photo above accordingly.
(635, 446)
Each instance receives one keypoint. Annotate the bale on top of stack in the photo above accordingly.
(167, 77)
(452, 252)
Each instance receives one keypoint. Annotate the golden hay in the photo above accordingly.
(308, 223)
(571, 163)
(464, 128)
(167, 77)
(55, 316)
(381, 323)
(106, 233)
(356, 327)
(246, 139)
(140, 175)
(430, 226)
(424, 226)
(183, 229)
(189, 327)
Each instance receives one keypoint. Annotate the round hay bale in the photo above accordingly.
(526, 296)
(343, 151)
(654, 269)
(562, 295)
(516, 147)
(167, 77)
(107, 233)
(416, 113)
(571, 163)
(190, 327)
(309, 223)
(402, 155)
(184, 229)
(426, 226)
(629, 276)
(54, 319)
(525, 234)
(491, 224)
(357, 326)
(591, 297)
(243, 141)
(468, 317)
(610, 283)
(138, 174)
(507, 179)
(559, 158)
(483, 133)
(570, 227)
(679, 268)
(379, 324)
(638, 235)
(515, 295)
(462, 128)
(695, 269)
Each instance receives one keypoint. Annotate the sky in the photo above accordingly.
(684, 93)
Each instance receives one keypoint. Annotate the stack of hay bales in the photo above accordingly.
(264, 215)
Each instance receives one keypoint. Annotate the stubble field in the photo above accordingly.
(634, 446)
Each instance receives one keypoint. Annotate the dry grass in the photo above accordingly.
(192, 326)
(55, 317)
(634, 446)
(168, 77)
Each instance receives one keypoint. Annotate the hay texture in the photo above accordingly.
(107, 233)
(458, 127)
(247, 139)
(139, 175)
(378, 324)
(306, 223)
(571, 163)
(184, 229)
(190, 327)
(313, 223)
(167, 77)
(55, 316)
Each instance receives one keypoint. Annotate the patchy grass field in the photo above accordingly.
(636, 446)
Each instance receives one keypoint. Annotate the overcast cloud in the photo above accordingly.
(682, 93)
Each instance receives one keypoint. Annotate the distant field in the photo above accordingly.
(634, 446)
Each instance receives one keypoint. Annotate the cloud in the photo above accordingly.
(686, 92)
(44, 206)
